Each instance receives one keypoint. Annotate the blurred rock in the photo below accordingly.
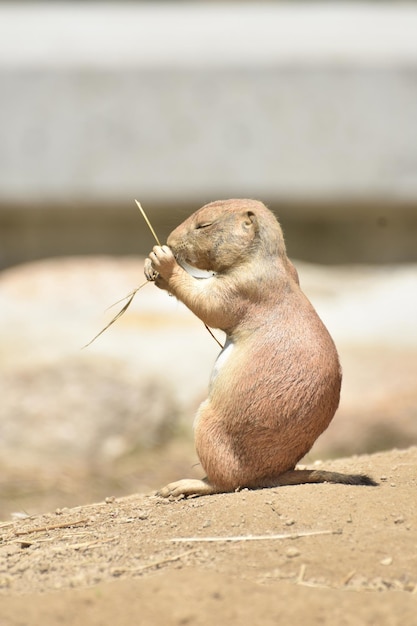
(371, 313)
(365, 305)
(91, 409)
(137, 382)
(126, 391)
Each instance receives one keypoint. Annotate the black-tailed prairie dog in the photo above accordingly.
(275, 386)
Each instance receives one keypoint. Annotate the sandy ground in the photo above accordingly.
(307, 554)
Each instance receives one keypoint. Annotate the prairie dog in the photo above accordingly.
(275, 385)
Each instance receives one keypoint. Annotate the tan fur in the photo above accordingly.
(276, 386)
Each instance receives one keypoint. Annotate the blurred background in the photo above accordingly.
(309, 107)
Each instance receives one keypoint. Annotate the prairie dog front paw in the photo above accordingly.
(150, 273)
(163, 261)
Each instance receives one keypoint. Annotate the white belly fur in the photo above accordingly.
(222, 358)
(220, 361)
(225, 353)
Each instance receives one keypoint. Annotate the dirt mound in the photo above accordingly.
(311, 554)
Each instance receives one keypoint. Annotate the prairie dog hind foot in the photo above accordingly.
(194, 487)
(187, 487)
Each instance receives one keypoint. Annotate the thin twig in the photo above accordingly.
(145, 217)
(214, 336)
(348, 578)
(30, 542)
(255, 537)
(84, 544)
(40, 529)
(117, 571)
(300, 577)
(62, 547)
(310, 583)
(131, 295)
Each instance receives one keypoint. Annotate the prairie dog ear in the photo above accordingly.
(249, 220)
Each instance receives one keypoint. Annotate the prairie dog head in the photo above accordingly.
(225, 234)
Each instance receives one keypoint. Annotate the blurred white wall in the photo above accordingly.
(313, 105)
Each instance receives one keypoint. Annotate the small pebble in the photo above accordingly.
(386, 561)
(292, 552)
(62, 511)
(6, 581)
(77, 580)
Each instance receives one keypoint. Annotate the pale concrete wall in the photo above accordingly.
(312, 108)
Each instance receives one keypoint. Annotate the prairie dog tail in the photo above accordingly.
(299, 477)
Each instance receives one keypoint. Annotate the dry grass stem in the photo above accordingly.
(310, 583)
(145, 217)
(39, 529)
(131, 295)
(256, 537)
(142, 568)
(84, 545)
(348, 578)
(300, 577)
(214, 336)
